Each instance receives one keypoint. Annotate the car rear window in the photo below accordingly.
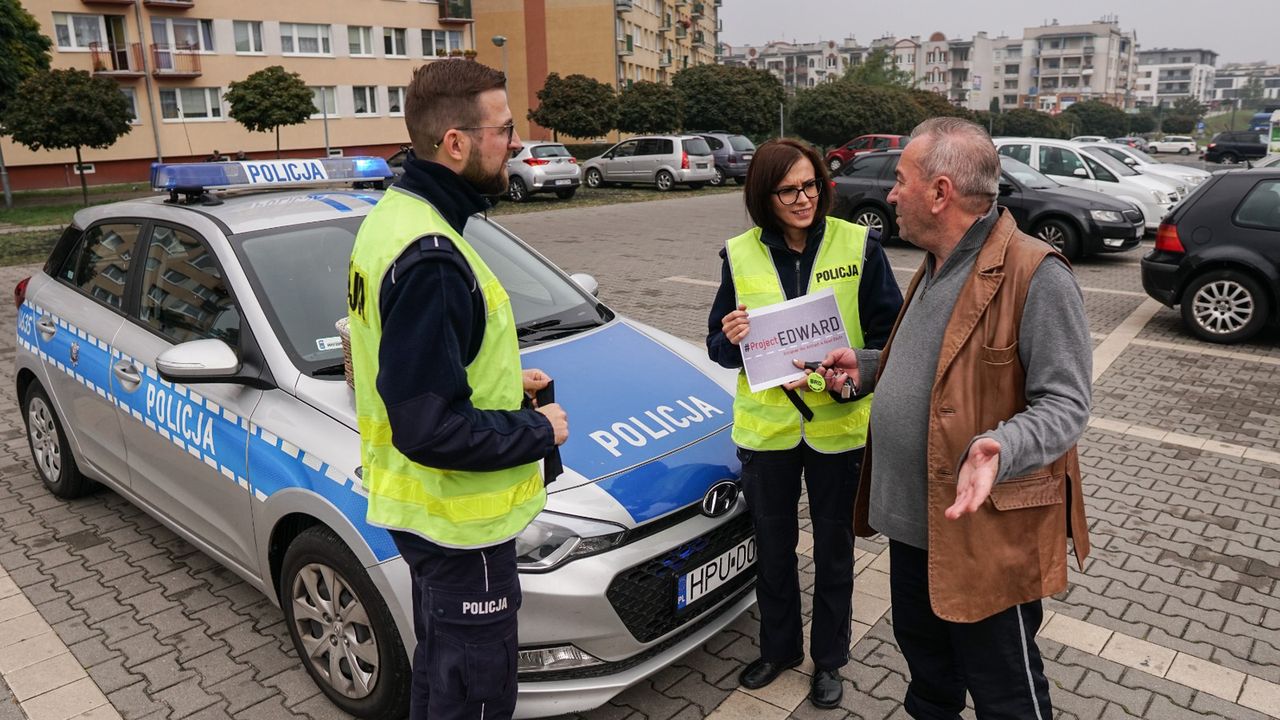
(697, 146)
(1261, 207)
(741, 143)
(548, 151)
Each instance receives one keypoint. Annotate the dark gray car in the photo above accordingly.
(733, 155)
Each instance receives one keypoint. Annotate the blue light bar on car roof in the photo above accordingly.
(190, 177)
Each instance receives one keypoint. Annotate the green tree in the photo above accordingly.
(1181, 124)
(993, 107)
(731, 98)
(833, 113)
(877, 68)
(1024, 122)
(1142, 122)
(1094, 117)
(63, 109)
(23, 53)
(269, 99)
(648, 107)
(576, 105)
(932, 104)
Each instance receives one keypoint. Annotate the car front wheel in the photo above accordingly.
(835, 164)
(1061, 237)
(593, 178)
(49, 447)
(342, 629)
(1184, 151)
(517, 191)
(1225, 306)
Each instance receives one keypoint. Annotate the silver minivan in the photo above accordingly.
(663, 160)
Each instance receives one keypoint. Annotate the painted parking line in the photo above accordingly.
(691, 281)
(1210, 350)
(1120, 338)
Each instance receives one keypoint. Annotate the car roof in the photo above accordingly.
(248, 211)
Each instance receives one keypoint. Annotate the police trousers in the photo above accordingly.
(464, 618)
(771, 483)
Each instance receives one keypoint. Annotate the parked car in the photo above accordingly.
(1132, 141)
(1088, 138)
(837, 157)
(396, 161)
(664, 161)
(1068, 163)
(1235, 146)
(1181, 144)
(184, 354)
(1076, 222)
(542, 167)
(1144, 163)
(1268, 161)
(732, 153)
(1217, 256)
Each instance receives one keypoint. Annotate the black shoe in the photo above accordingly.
(761, 672)
(827, 689)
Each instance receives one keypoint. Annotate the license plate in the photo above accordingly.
(706, 578)
(702, 166)
(564, 182)
(746, 157)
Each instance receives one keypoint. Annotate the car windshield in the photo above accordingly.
(300, 274)
(696, 146)
(740, 143)
(1026, 175)
(1109, 162)
(549, 151)
(1143, 158)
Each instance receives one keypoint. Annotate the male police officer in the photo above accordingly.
(450, 458)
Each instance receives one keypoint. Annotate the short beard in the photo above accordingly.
(485, 184)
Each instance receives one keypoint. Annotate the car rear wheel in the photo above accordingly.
(342, 628)
(1061, 237)
(664, 180)
(566, 194)
(1184, 151)
(517, 191)
(1225, 306)
(593, 178)
(718, 179)
(49, 447)
(873, 219)
(835, 164)
(1230, 158)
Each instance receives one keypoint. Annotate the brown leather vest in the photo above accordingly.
(1013, 549)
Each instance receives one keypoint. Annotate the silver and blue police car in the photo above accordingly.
(181, 350)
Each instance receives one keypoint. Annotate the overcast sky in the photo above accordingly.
(1162, 23)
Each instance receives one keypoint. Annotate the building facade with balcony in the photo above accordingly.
(174, 60)
(1073, 63)
(798, 65)
(1231, 83)
(619, 42)
(1167, 75)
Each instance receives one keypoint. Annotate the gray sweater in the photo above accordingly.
(1053, 345)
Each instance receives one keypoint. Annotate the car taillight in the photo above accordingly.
(684, 161)
(1213, 145)
(573, 161)
(535, 161)
(733, 158)
(20, 292)
(1167, 239)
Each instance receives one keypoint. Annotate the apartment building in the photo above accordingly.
(174, 60)
(1167, 75)
(1074, 63)
(619, 42)
(1230, 81)
(798, 65)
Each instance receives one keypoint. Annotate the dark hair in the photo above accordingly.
(772, 162)
(443, 95)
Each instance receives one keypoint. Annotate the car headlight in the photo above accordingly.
(1106, 216)
(1159, 196)
(553, 539)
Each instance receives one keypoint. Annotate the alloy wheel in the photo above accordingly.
(335, 630)
(44, 439)
(1222, 307)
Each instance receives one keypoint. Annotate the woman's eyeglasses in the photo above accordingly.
(791, 195)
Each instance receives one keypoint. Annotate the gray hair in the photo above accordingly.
(963, 151)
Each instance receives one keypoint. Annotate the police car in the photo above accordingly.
(181, 350)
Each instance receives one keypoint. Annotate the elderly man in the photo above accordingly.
(971, 468)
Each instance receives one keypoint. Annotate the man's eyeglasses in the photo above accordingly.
(791, 195)
(510, 127)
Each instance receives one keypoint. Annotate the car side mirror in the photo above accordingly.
(587, 282)
(1080, 173)
(1006, 188)
(1130, 161)
(198, 360)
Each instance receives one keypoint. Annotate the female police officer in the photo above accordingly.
(793, 250)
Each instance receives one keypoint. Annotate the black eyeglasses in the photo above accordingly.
(510, 127)
(791, 195)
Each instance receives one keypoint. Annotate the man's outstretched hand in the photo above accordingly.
(977, 475)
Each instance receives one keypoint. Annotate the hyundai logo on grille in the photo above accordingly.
(720, 498)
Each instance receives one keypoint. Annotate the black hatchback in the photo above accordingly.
(1077, 222)
(1217, 256)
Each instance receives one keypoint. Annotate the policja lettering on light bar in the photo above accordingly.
(659, 423)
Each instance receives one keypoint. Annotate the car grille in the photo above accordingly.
(644, 596)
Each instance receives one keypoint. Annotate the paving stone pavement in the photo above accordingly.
(1185, 558)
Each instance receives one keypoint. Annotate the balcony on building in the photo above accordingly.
(1088, 48)
(456, 11)
(182, 61)
(697, 11)
(108, 2)
(664, 58)
(623, 5)
(699, 39)
(176, 4)
(626, 45)
(117, 60)
(682, 31)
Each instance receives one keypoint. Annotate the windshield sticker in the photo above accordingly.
(329, 343)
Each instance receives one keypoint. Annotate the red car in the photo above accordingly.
(842, 154)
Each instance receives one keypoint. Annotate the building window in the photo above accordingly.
(393, 42)
(190, 103)
(132, 96)
(325, 100)
(248, 36)
(366, 99)
(183, 33)
(438, 43)
(360, 41)
(77, 32)
(395, 100)
(304, 39)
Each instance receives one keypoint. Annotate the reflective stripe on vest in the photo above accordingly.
(450, 507)
(767, 420)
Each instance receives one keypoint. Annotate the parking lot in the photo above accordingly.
(1176, 615)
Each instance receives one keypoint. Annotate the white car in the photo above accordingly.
(1069, 163)
(1088, 139)
(1144, 163)
(1180, 144)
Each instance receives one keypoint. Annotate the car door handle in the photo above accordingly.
(127, 373)
(47, 327)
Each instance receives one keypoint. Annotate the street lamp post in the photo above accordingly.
(501, 41)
